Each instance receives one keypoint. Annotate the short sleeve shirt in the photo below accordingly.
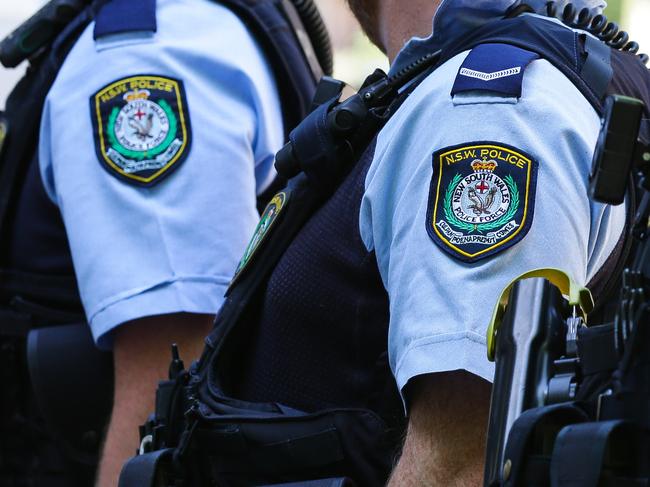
(440, 305)
(172, 246)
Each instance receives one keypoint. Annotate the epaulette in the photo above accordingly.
(123, 16)
(497, 68)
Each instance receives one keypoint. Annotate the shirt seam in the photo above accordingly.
(125, 295)
(438, 339)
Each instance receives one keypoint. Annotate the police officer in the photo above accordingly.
(381, 300)
(456, 235)
(157, 134)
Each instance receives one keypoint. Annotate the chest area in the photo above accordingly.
(329, 248)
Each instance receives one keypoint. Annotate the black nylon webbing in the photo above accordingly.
(24, 109)
(579, 453)
(596, 349)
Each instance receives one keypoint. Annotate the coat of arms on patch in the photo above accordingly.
(481, 200)
(142, 129)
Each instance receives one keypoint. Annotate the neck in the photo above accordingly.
(400, 20)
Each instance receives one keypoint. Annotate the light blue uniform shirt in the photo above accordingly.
(440, 306)
(174, 246)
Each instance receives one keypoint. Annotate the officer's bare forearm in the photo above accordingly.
(445, 442)
(142, 355)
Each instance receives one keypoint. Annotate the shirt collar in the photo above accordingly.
(454, 17)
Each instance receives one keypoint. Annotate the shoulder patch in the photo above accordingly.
(498, 68)
(267, 221)
(482, 199)
(141, 127)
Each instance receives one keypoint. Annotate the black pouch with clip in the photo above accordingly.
(244, 444)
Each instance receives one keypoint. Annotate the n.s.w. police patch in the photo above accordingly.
(142, 128)
(481, 200)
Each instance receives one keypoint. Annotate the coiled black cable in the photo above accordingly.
(414, 69)
(317, 32)
(598, 25)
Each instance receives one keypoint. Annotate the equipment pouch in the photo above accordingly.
(256, 447)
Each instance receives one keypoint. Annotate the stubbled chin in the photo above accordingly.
(367, 13)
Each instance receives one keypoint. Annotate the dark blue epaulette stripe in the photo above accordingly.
(121, 16)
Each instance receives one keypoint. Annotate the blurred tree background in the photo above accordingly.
(614, 10)
(355, 57)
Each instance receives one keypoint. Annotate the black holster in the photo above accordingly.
(73, 387)
(56, 398)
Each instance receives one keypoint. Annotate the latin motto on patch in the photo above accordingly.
(482, 199)
(141, 127)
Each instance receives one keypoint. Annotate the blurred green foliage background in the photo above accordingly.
(356, 57)
(614, 10)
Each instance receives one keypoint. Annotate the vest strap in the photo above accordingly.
(529, 424)
(597, 70)
(580, 451)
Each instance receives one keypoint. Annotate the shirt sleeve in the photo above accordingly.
(171, 247)
(440, 305)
